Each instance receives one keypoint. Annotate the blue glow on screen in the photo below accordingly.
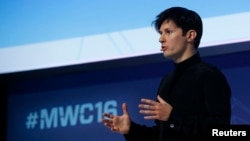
(25, 21)
(73, 113)
(70, 111)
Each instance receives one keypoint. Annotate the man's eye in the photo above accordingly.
(168, 31)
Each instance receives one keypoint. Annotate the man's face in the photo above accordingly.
(173, 43)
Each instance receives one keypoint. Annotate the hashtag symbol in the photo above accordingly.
(31, 120)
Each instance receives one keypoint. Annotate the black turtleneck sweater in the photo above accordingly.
(200, 96)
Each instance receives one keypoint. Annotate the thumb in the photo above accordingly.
(124, 109)
(160, 99)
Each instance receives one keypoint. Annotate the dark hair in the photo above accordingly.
(184, 18)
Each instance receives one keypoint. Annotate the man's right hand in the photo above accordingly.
(120, 124)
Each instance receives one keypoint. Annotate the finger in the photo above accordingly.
(107, 121)
(144, 106)
(148, 101)
(115, 129)
(148, 112)
(150, 117)
(107, 124)
(124, 109)
(107, 115)
(160, 99)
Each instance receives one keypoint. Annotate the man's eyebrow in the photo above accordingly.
(165, 29)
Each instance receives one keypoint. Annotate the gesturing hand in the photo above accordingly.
(119, 124)
(155, 110)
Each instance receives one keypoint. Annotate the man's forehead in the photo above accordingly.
(168, 23)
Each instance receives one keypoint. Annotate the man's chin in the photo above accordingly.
(166, 55)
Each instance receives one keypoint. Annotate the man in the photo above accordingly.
(192, 99)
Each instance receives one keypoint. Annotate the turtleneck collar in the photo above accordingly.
(188, 62)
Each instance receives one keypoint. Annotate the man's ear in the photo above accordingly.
(191, 35)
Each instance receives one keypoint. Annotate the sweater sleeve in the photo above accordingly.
(139, 132)
(217, 94)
